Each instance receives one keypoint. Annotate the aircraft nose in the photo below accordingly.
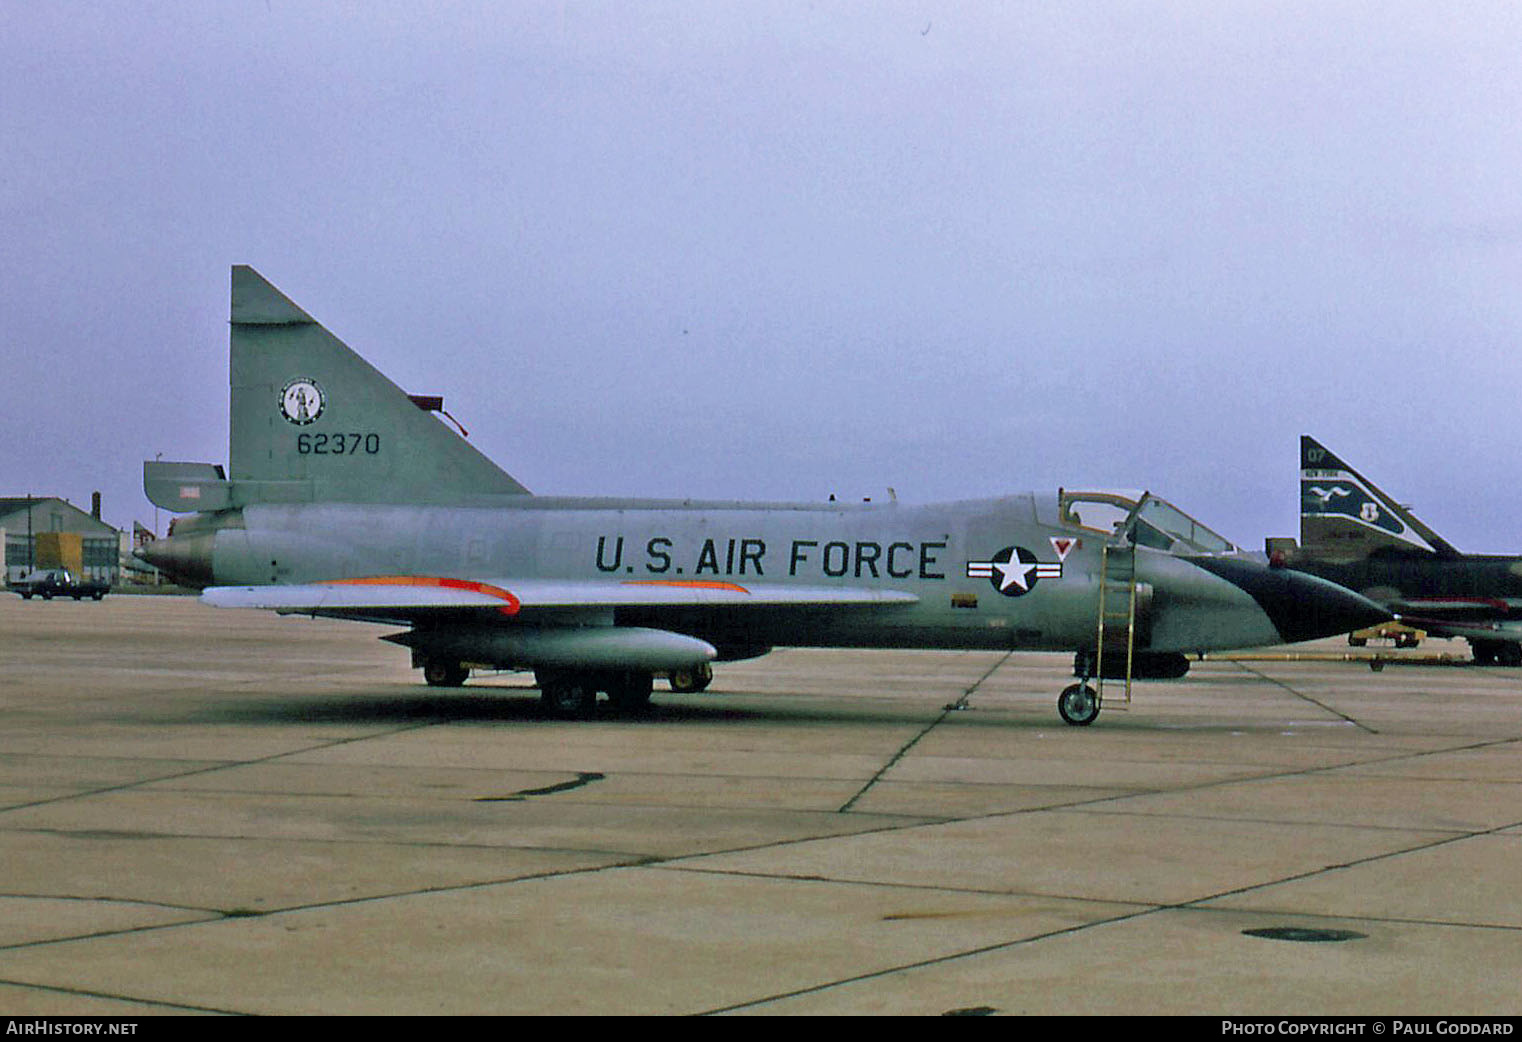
(1300, 606)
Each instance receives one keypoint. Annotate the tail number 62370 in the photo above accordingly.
(351, 444)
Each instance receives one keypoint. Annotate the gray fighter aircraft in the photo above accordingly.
(1354, 534)
(344, 497)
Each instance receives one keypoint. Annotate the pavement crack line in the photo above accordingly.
(889, 971)
(961, 703)
(1197, 904)
(161, 1004)
(1304, 697)
(214, 768)
(957, 706)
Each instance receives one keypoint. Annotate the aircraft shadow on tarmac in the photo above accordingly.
(522, 705)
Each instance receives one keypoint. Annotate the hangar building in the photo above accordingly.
(30, 529)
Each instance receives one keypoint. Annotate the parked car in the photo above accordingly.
(58, 582)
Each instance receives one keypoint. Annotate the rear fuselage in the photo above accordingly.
(1395, 575)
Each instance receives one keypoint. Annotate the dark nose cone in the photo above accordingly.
(1301, 606)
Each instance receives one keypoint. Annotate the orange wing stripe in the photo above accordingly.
(691, 584)
(510, 608)
(513, 604)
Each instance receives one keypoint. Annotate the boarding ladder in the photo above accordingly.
(1117, 611)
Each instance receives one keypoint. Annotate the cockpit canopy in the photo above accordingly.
(1156, 522)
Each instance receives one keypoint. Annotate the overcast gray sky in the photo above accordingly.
(778, 250)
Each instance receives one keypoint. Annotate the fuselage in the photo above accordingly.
(1393, 575)
(999, 573)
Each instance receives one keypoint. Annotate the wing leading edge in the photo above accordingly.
(416, 598)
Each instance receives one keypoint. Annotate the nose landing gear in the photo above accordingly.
(1079, 704)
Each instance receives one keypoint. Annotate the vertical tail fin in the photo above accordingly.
(312, 420)
(1343, 514)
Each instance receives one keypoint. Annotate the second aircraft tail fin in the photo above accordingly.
(1343, 514)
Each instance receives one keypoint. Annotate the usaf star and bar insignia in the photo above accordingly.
(1014, 571)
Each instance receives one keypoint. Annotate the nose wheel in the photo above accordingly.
(1078, 704)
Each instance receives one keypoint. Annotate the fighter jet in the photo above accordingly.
(1355, 535)
(347, 498)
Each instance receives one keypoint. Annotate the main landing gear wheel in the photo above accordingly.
(1078, 704)
(442, 673)
(629, 692)
(567, 695)
(691, 680)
